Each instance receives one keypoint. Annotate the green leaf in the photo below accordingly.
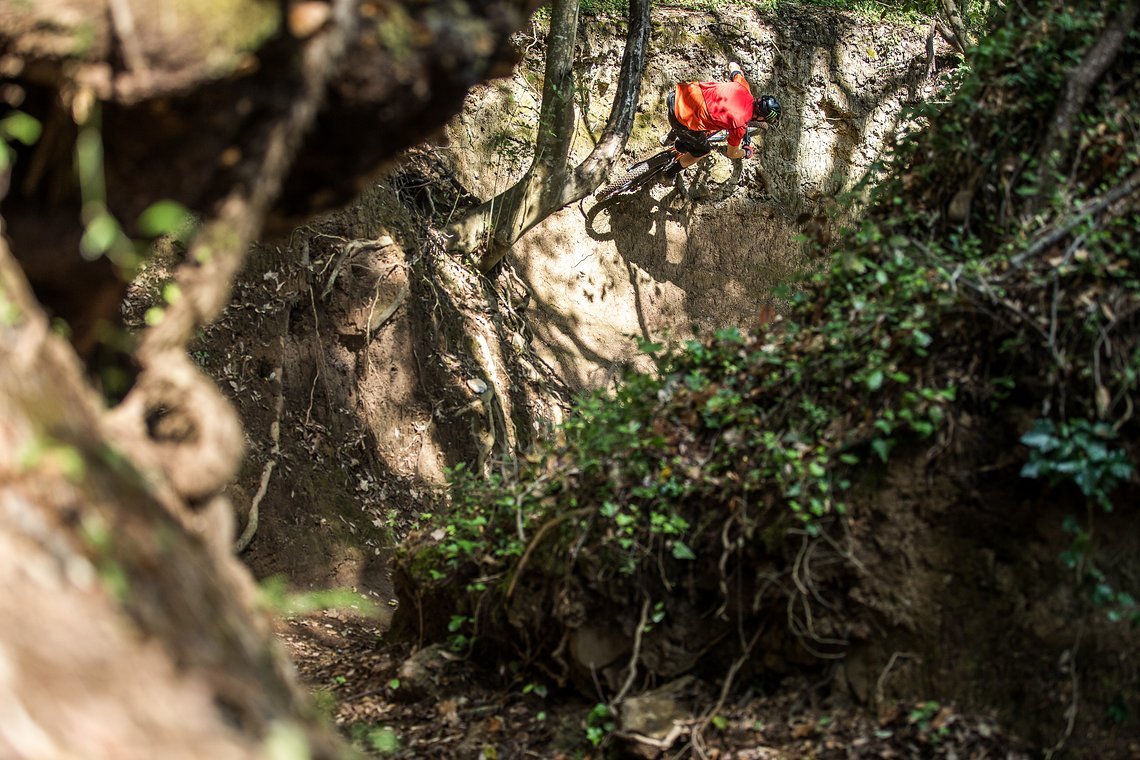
(384, 740)
(1121, 470)
(875, 380)
(20, 127)
(1040, 440)
(882, 447)
(163, 218)
(99, 236)
(681, 550)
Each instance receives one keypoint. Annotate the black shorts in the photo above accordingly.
(689, 141)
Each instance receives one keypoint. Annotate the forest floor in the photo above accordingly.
(472, 714)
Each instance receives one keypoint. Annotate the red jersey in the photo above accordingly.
(712, 106)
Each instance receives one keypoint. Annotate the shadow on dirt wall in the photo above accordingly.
(709, 263)
(357, 406)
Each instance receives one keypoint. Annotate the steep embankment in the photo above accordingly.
(365, 360)
(709, 252)
(917, 483)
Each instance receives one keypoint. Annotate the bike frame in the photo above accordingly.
(640, 174)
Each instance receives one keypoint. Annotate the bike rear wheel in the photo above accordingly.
(636, 176)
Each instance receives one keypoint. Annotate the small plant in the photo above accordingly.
(599, 724)
(381, 739)
(1079, 451)
(17, 127)
(923, 713)
(458, 641)
(276, 596)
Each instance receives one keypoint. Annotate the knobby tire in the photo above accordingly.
(634, 177)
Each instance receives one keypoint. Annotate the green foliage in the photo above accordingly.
(103, 234)
(384, 740)
(612, 8)
(17, 127)
(600, 723)
(1079, 451)
(892, 11)
(921, 321)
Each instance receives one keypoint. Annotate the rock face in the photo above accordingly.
(707, 253)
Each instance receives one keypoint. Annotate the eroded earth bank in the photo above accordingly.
(935, 618)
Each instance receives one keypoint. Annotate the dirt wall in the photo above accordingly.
(708, 252)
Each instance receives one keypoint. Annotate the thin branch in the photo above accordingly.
(549, 525)
(1080, 84)
(1095, 206)
(635, 656)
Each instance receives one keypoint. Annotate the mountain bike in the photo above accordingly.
(642, 173)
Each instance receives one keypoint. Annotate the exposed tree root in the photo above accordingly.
(278, 378)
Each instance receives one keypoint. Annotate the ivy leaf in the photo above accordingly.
(681, 550)
(1042, 440)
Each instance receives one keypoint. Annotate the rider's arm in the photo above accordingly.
(736, 139)
(735, 151)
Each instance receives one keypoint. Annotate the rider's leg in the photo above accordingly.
(688, 159)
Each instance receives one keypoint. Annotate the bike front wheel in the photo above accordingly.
(635, 176)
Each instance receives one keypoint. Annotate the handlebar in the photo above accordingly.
(717, 138)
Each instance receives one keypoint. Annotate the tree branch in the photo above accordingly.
(589, 174)
(549, 185)
(1079, 86)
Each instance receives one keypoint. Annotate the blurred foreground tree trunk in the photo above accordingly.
(127, 627)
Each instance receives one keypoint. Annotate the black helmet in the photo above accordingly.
(768, 109)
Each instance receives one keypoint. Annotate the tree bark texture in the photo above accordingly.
(952, 26)
(127, 628)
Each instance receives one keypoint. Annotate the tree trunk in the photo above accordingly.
(549, 185)
(952, 26)
(127, 627)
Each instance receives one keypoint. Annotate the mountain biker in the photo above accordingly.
(699, 109)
